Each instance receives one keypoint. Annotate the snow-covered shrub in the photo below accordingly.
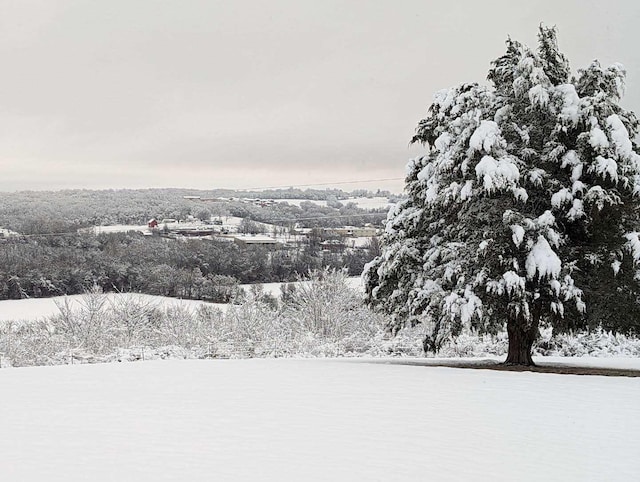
(132, 319)
(327, 307)
(596, 343)
(132, 329)
(86, 327)
(23, 344)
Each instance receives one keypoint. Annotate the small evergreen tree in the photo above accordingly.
(524, 209)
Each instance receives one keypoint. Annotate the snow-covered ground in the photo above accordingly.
(293, 420)
(120, 228)
(7, 232)
(229, 222)
(369, 202)
(37, 308)
(274, 289)
(361, 202)
(298, 202)
(232, 223)
(624, 363)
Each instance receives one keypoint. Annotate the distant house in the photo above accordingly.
(153, 223)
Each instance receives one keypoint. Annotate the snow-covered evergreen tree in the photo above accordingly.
(524, 209)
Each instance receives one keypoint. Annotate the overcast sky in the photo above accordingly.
(232, 93)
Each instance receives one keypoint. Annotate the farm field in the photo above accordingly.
(274, 289)
(361, 202)
(38, 308)
(293, 419)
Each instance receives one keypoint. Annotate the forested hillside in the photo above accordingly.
(41, 266)
(31, 212)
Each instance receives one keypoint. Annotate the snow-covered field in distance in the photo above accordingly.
(369, 202)
(120, 228)
(298, 202)
(294, 420)
(274, 289)
(232, 222)
(229, 222)
(361, 202)
(38, 308)
(7, 232)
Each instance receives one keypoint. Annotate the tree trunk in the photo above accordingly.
(521, 338)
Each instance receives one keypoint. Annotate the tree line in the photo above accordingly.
(44, 266)
(42, 212)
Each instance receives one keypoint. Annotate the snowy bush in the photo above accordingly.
(596, 343)
(327, 318)
(324, 316)
(327, 307)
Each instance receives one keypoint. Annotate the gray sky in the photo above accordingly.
(250, 93)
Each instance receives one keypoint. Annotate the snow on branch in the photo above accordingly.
(633, 244)
(542, 260)
(486, 137)
(497, 174)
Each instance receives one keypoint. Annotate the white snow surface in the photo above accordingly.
(38, 308)
(7, 232)
(313, 420)
(32, 309)
(120, 228)
(369, 202)
(298, 202)
(275, 289)
(375, 202)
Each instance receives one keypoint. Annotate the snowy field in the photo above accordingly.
(229, 222)
(298, 202)
(361, 202)
(7, 232)
(120, 228)
(314, 420)
(275, 289)
(38, 308)
(369, 202)
(232, 222)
